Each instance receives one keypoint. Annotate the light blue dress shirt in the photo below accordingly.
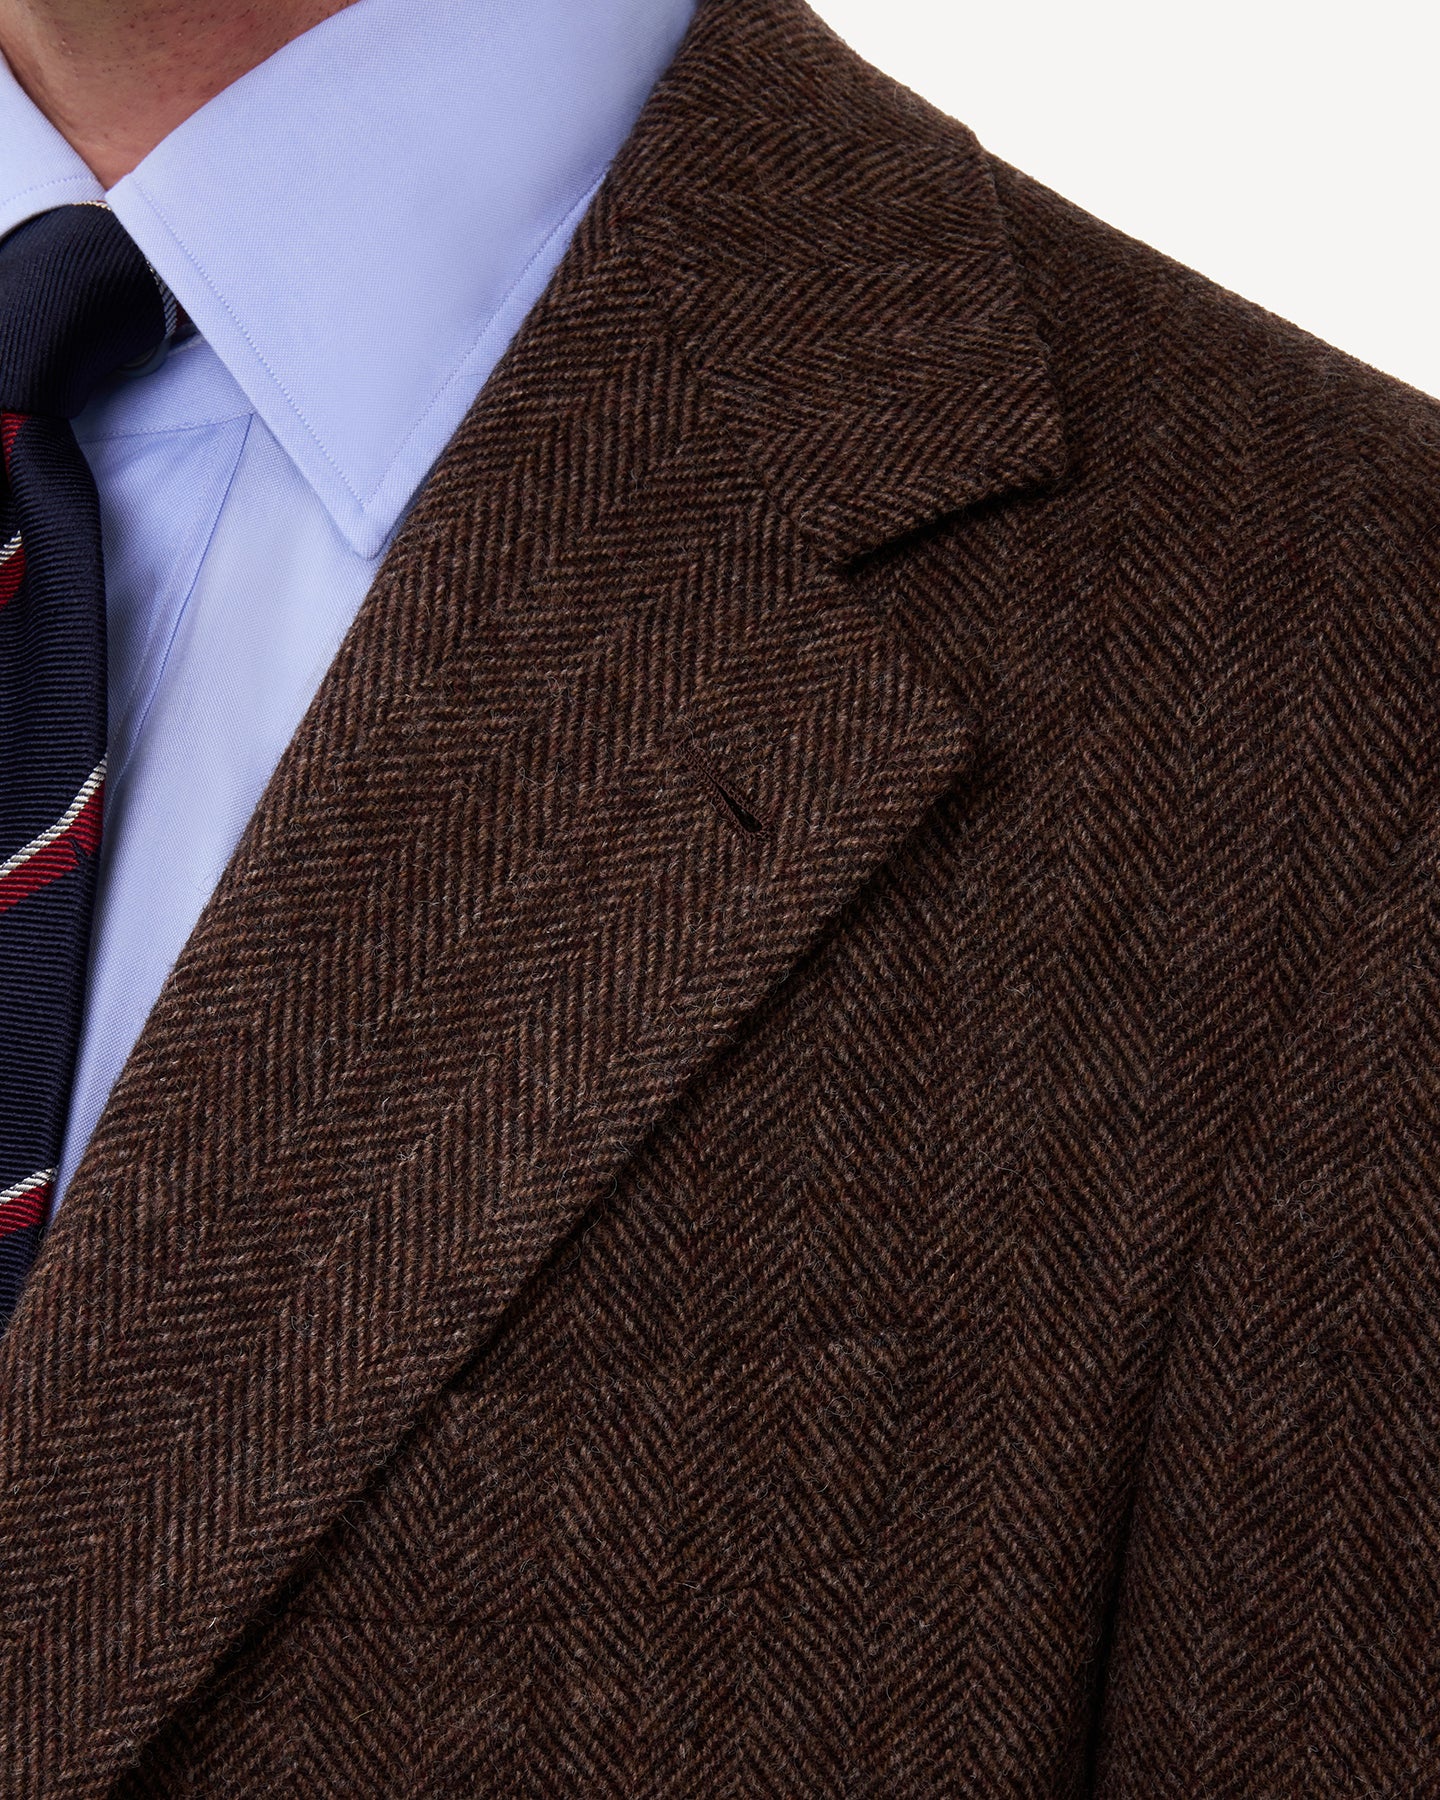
(358, 228)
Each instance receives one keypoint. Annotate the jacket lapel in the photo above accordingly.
(611, 740)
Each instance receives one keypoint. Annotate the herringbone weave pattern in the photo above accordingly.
(799, 1155)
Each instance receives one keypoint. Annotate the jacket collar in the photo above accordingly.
(862, 315)
(611, 739)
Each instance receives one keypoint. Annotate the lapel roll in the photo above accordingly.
(611, 741)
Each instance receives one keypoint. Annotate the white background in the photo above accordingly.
(1289, 151)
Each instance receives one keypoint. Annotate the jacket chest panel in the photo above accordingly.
(842, 1352)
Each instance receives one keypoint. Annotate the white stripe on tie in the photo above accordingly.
(58, 829)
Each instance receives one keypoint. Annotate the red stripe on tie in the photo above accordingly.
(10, 424)
(25, 1209)
(12, 573)
(58, 857)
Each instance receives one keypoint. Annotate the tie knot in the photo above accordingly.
(78, 301)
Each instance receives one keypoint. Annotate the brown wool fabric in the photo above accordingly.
(799, 1155)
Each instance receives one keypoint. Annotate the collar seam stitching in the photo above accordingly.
(581, 201)
(259, 356)
(40, 187)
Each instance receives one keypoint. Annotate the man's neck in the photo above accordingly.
(115, 76)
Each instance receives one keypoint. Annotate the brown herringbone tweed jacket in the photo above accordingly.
(799, 1155)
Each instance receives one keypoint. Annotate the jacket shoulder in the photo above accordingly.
(1133, 334)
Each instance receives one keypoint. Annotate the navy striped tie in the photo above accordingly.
(78, 302)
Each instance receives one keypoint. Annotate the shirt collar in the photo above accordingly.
(359, 225)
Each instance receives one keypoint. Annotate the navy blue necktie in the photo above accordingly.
(78, 302)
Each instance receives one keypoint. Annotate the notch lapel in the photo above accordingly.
(611, 740)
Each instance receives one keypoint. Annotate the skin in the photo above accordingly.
(115, 76)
